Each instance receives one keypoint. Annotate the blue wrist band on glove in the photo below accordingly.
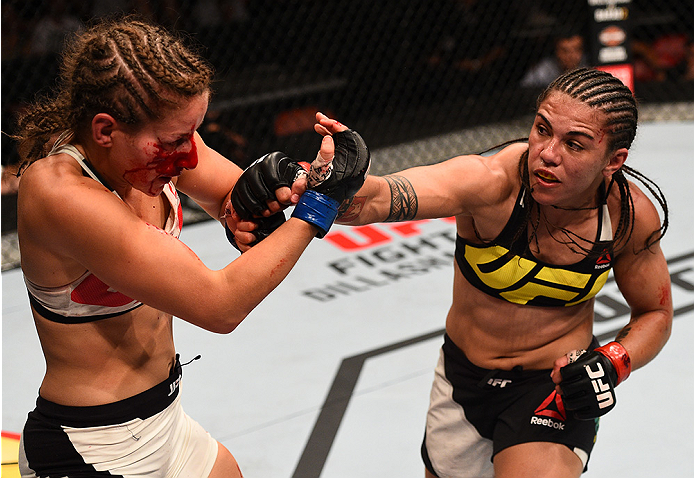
(317, 209)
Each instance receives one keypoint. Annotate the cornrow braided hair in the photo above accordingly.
(133, 70)
(608, 94)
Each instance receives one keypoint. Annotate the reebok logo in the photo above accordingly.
(552, 408)
(604, 260)
(547, 422)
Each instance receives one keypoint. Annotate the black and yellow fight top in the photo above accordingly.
(506, 269)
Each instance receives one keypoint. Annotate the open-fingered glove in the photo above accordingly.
(258, 183)
(256, 186)
(588, 383)
(350, 166)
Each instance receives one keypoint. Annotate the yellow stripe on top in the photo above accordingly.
(504, 274)
(597, 285)
(520, 280)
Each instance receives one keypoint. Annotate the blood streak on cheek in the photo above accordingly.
(170, 163)
(602, 136)
(164, 163)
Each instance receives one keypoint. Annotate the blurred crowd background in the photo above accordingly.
(400, 72)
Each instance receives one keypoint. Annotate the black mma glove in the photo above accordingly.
(257, 185)
(588, 383)
(350, 166)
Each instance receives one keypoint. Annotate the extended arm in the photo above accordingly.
(86, 225)
(461, 185)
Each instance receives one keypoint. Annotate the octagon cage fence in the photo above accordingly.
(421, 80)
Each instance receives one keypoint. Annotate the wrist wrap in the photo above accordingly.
(619, 357)
(317, 209)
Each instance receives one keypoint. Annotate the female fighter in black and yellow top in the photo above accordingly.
(540, 224)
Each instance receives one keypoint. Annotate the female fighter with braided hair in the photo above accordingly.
(98, 224)
(539, 225)
(535, 244)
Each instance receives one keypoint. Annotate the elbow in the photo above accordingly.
(221, 305)
(667, 316)
(222, 329)
(221, 322)
(225, 324)
(667, 325)
(662, 328)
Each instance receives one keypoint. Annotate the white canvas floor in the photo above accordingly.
(330, 375)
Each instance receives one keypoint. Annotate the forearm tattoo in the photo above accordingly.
(623, 333)
(403, 199)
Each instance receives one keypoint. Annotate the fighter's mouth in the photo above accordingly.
(547, 177)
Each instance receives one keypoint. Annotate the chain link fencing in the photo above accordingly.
(421, 80)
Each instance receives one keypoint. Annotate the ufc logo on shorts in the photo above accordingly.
(603, 392)
(498, 382)
(174, 386)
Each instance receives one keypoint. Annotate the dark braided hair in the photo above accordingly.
(133, 70)
(609, 95)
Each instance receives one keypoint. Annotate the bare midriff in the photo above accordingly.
(496, 334)
(106, 360)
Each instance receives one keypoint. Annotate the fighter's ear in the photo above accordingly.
(103, 126)
(616, 160)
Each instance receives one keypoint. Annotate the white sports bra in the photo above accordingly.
(88, 299)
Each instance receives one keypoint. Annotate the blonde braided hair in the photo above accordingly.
(128, 68)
